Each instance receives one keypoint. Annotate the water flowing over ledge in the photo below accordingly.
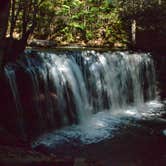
(53, 90)
(101, 126)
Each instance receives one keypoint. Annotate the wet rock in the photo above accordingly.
(164, 132)
(154, 122)
(42, 43)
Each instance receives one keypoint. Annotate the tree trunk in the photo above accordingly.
(133, 32)
(4, 15)
(159, 2)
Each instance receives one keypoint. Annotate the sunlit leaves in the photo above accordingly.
(80, 19)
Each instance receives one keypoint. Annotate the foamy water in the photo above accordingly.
(101, 126)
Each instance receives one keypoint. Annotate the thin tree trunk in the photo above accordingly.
(133, 32)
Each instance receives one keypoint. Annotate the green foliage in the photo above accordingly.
(98, 22)
(89, 22)
(89, 35)
(78, 20)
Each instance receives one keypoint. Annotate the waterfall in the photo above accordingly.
(55, 89)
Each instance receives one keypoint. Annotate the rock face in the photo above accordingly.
(160, 65)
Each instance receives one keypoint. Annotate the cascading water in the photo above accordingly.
(58, 89)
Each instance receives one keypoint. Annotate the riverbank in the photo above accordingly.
(16, 156)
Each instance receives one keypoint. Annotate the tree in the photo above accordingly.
(143, 21)
(16, 16)
(88, 22)
(4, 16)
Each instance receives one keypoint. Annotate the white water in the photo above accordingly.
(101, 126)
(69, 87)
